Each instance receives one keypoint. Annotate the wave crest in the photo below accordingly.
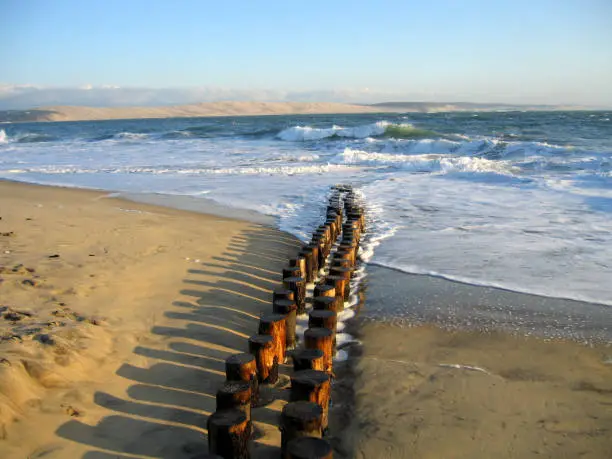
(380, 128)
(432, 163)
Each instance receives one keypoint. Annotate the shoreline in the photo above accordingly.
(422, 299)
(142, 380)
(495, 305)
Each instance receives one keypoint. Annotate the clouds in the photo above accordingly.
(25, 96)
(19, 97)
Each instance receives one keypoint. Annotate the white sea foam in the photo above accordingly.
(425, 163)
(529, 216)
(304, 133)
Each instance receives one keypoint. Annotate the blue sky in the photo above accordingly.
(538, 51)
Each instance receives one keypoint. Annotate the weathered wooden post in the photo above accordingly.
(309, 448)
(339, 283)
(309, 257)
(326, 303)
(315, 258)
(349, 237)
(235, 395)
(312, 386)
(321, 247)
(282, 294)
(243, 367)
(320, 338)
(262, 347)
(292, 271)
(331, 221)
(340, 263)
(300, 419)
(324, 290)
(299, 261)
(275, 325)
(308, 359)
(350, 246)
(288, 308)
(298, 286)
(319, 318)
(346, 274)
(229, 432)
(344, 254)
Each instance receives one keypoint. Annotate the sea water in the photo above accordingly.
(516, 200)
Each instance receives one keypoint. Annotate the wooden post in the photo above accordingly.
(309, 448)
(312, 386)
(325, 319)
(300, 419)
(324, 290)
(275, 325)
(291, 271)
(287, 308)
(320, 338)
(229, 432)
(326, 303)
(342, 254)
(235, 395)
(315, 258)
(350, 237)
(243, 367)
(308, 359)
(262, 347)
(308, 255)
(339, 283)
(298, 286)
(333, 225)
(300, 261)
(340, 263)
(322, 253)
(346, 274)
(282, 294)
(351, 247)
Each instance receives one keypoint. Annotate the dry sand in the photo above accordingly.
(117, 318)
(427, 393)
(68, 113)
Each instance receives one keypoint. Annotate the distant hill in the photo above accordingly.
(77, 113)
(430, 107)
(73, 113)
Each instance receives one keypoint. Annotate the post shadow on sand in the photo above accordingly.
(169, 402)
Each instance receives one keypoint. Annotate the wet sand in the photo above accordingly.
(446, 370)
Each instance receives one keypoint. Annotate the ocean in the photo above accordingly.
(520, 201)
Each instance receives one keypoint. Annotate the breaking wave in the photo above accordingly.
(28, 137)
(432, 163)
(380, 128)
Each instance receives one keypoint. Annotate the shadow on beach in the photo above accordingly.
(165, 409)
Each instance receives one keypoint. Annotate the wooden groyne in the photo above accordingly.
(316, 283)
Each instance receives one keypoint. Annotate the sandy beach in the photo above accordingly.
(117, 317)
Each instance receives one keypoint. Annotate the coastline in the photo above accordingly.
(139, 381)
